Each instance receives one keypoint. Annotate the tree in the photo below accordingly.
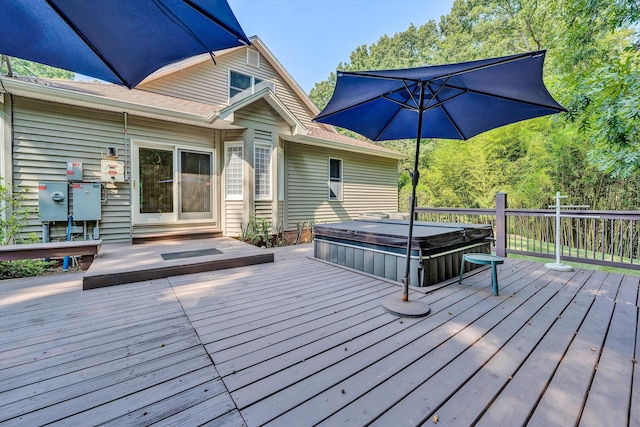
(28, 68)
(592, 67)
(602, 66)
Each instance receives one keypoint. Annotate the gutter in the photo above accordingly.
(342, 146)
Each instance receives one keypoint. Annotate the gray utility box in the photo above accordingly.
(53, 201)
(86, 201)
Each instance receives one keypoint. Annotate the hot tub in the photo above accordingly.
(379, 247)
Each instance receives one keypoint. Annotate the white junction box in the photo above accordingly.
(74, 171)
(112, 170)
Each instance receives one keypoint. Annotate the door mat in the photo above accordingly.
(190, 254)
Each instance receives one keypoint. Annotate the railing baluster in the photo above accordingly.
(611, 239)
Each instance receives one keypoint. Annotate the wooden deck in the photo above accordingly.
(120, 263)
(300, 342)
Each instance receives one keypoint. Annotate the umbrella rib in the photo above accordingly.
(492, 64)
(444, 110)
(371, 74)
(88, 43)
(507, 98)
(176, 20)
(228, 29)
(384, 129)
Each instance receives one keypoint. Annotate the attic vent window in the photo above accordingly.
(253, 58)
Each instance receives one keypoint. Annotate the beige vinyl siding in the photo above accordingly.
(265, 208)
(47, 136)
(234, 217)
(202, 82)
(209, 83)
(233, 211)
(260, 115)
(369, 185)
(155, 131)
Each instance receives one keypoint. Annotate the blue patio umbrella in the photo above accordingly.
(119, 41)
(453, 101)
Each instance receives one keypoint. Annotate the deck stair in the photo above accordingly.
(177, 234)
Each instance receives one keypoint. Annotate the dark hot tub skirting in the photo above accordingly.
(379, 247)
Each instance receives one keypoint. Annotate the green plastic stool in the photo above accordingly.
(484, 259)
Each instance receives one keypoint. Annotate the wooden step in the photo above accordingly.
(199, 233)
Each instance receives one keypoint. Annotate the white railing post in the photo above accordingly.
(558, 265)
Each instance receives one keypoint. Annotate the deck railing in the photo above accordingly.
(610, 238)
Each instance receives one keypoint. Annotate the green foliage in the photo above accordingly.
(23, 268)
(592, 67)
(257, 232)
(12, 218)
(12, 215)
(23, 67)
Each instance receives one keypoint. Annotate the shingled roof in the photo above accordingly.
(112, 97)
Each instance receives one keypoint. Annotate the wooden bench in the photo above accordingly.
(88, 249)
(484, 259)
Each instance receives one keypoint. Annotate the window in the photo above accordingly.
(335, 179)
(262, 168)
(243, 85)
(233, 171)
(239, 83)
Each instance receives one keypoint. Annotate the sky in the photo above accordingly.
(311, 37)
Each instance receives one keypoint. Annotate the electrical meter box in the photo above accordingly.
(53, 201)
(112, 170)
(87, 202)
(74, 171)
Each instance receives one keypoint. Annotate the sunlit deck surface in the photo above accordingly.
(300, 342)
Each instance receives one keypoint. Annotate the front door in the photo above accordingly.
(171, 184)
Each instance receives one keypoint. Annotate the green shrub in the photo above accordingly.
(12, 219)
(23, 268)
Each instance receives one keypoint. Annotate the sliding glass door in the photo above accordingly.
(171, 184)
(195, 185)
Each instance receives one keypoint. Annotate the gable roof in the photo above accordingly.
(267, 94)
(266, 54)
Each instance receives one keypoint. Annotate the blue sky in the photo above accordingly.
(311, 37)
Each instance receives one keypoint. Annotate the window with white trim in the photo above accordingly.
(335, 179)
(239, 83)
(233, 165)
(243, 85)
(262, 169)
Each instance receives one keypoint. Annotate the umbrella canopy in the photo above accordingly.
(460, 100)
(454, 101)
(119, 41)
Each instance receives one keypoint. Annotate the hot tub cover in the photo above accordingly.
(428, 237)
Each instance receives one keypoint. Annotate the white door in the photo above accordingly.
(171, 184)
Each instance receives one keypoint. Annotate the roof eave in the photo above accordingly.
(327, 143)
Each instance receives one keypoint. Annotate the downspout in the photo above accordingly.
(127, 157)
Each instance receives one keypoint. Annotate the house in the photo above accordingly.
(196, 146)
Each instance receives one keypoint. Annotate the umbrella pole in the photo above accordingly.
(404, 307)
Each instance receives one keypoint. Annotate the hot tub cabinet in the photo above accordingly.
(379, 247)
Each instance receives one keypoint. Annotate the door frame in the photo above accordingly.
(172, 218)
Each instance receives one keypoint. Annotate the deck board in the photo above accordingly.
(608, 403)
(84, 357)
(527, 385)
(304, 342)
